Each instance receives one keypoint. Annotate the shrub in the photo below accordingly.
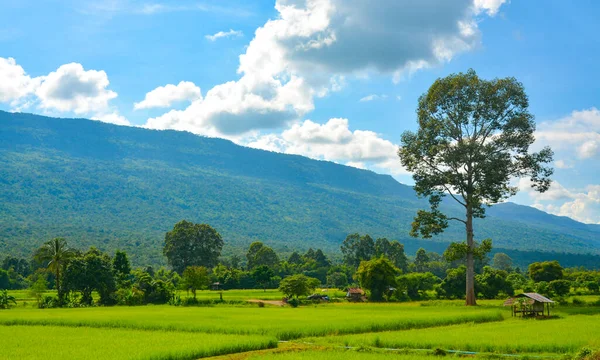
(578, 302)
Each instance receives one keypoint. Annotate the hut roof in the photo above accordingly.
(532, 298)
(355, 291)
(537, 297)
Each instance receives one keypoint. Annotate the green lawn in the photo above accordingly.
(55, 342)
(562, 335)
(282, 322)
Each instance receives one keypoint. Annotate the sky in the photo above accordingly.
(337, 80)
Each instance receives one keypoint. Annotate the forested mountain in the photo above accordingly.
(124, 187)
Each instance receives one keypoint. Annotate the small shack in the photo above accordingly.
(529, 304)
(355, 294)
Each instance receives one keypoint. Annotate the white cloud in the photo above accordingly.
(313, 44)
(224, 34)
(581, 205)
(577, 134)
(71, 88)
(373, 97)
(15, 84)
(165, 96)
(491, 7)
(334, 141)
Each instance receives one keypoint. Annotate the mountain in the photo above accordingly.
(124, 187)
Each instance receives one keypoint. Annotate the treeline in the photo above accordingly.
(193, 252)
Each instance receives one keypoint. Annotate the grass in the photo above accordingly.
(53, 342)
(561, 335)
(284, 323)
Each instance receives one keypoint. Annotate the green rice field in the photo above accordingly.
(232, 331)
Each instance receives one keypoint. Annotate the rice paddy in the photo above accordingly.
(404, 331)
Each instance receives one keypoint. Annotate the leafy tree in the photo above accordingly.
(38, 288)
(421, 260)
(20, 266)
(559, 287)
(378, 276)
(492, 282)
(196, 278)
(4, 280)
(416, 284)
(121, 264)
(592, 286)
(356, 248)
(92, 271)
(55, 254)
(337, 280)
(190, 244)
(298, 285)
(501, 261)
(473, 140)
(392, 250)
(321, 259)
(545, 271)
(452, 287)
(263, 275)
(295, 258)
(6, 300)
(259, 254)
(516, 280)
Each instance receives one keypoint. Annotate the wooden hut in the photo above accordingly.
(529, 304)
(355, 294)
(217, 286)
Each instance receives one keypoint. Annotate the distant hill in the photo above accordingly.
(124, 187)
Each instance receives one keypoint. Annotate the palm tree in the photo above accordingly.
(6, 300)
(55, 253)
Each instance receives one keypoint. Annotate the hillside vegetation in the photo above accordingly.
(124, 187)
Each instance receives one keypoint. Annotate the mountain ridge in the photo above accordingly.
(116, 186)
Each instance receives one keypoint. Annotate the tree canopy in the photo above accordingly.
(472, 141)
(190, 244)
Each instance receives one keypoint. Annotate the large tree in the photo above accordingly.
(55, 254)
(472, 141)
(357, 248)
(260, 254)
(377, 275)
(190, 244)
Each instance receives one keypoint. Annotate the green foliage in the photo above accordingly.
(55, 254)
(416, 284)
(298, 285)
(263, 275)
(545, 271)
(378, 276)
(91, 271)
(121, 266)
(501, 261)
(473, 140)
(337, 280)
(259, 254)
(493, 282)
(190, 244)
(453, 286)
(559, 287)
(356, 248)
(6, 300)
(196, 278)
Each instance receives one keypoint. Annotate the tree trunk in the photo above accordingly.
(470, 298)
(58, 285)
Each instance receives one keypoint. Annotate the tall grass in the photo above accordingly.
(284, 323)
(52, 342)
(564, 335)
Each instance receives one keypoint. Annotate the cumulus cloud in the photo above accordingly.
(581, 205)
(165, 96)
(224, 34)
(334, 141)
(72, 88)
(312, 45)
(577, 134)
(15, 84)
(69, 89)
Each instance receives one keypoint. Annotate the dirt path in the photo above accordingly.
(270, 302)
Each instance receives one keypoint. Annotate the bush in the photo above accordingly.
(48, 302)
(294, 302)
(559, 287)
(578, 302)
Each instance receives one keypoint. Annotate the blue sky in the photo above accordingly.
(330, 79)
